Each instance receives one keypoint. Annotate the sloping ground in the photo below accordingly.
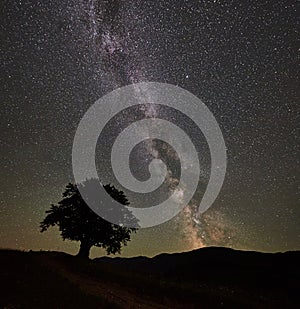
(28, 282)
(205, 278)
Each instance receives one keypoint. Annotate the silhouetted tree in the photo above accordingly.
(76, 221)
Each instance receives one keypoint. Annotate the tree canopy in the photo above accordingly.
(77, 222)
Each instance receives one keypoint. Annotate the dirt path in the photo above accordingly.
(111, 292)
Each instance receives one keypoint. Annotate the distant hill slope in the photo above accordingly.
(217, 263)
(205, 278)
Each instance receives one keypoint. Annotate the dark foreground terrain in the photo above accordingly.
(204, 278)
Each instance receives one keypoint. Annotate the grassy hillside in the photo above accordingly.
(206, 278)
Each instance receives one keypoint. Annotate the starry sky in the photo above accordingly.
(239, 57)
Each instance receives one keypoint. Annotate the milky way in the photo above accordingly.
(240, 58)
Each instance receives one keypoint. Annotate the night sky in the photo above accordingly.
(239, 57)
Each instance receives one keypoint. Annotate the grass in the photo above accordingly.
(59, 280)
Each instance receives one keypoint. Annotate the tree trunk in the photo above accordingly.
(84, 250)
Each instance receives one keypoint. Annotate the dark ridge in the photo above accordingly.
(207, 278)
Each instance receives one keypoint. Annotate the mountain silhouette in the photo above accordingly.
(207, 278)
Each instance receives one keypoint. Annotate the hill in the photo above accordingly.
(206, 278)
